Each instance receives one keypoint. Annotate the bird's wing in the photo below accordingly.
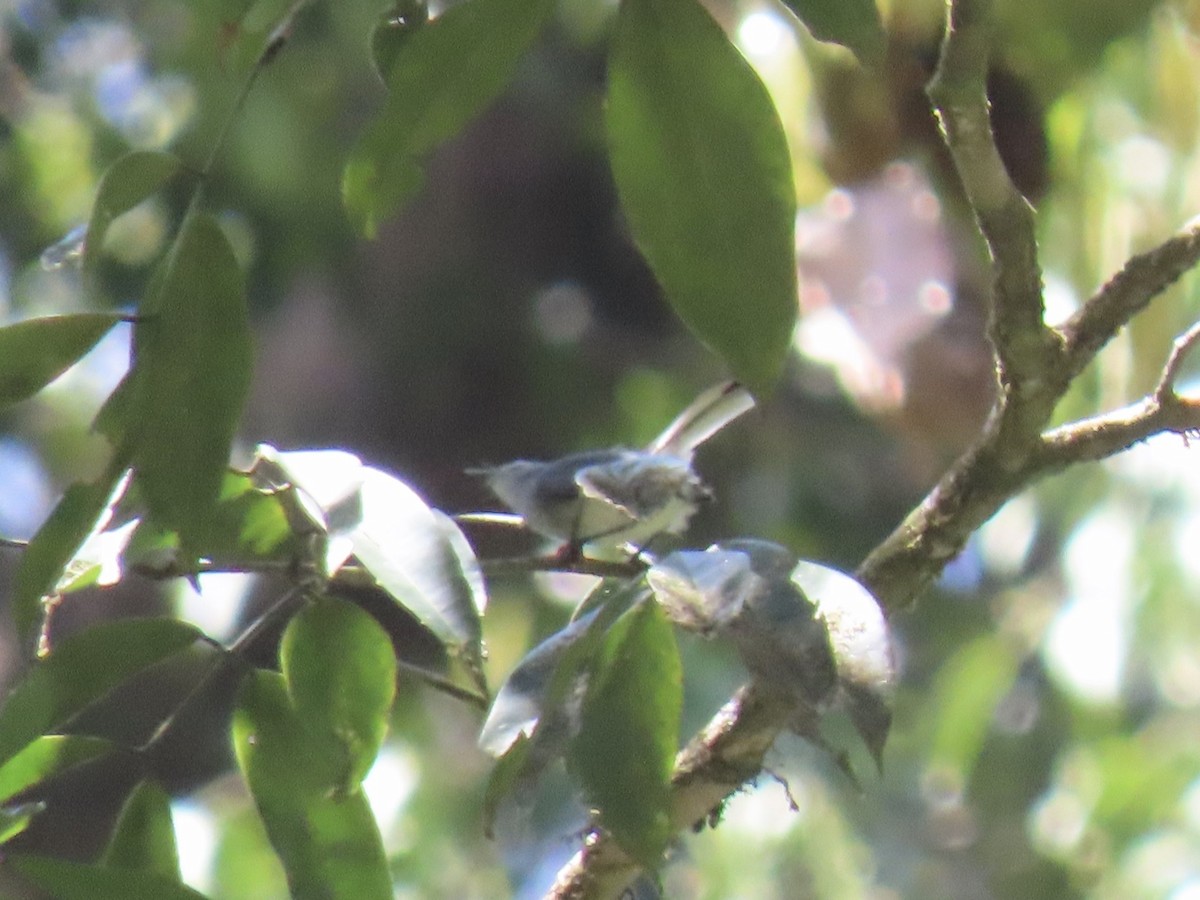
(641, 484)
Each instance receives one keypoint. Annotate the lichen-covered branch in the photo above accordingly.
(1127, 293)
(1023, 345)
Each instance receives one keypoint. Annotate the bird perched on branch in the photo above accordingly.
(618, 497)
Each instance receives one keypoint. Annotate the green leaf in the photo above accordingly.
(15, 819)
(82, 669)
(630, 732)
(966, 691)
(392, 31)
(81, 511)
(248, 522)
(549, 673)
(65, 880)
(852, 23)
(446, 72)
(704, 174)
(419, 556)
(511, 769)
(341, 676)
(126, 183)
(46, 757)
(144, 838)
(328, 842)
(193, 364)
(35, 352)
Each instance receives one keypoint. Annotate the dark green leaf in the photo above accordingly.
(328, 842)
(341, 676)
(45, 758)
(194, 358)
(629, 732)
(79, 512)
(126, 183)
(704, 175)
(144, 838)
(35, 352)
(65, 880)
(851, 23)
(445, 73)
(82, 669)
(395, 26)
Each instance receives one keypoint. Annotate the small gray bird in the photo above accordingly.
(619, 497)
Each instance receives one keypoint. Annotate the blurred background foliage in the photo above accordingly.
(1047, 739)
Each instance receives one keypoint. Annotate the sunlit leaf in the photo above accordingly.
(321, 491)
(852, 23)
(194, 359)
(144, 837)
(328, 842)
(126, 183)
(82, 669)
(83, 510)
(407, 547)
(15, 819)
(67, 880)
(629, 732)
(248, 522)
(704, 175)
(341, 676)
(46, 757)
(445, 74)
(35, 352)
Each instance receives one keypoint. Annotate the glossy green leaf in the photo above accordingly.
(341, 676)
(15, 819)
(46, 757)
(851, 23)
(35, 352)
(418, 555)
(328, 842)
(444, 75)
(82, 669)
(194, 358)
(127, 182)
(66, 880)
(81, 511)
(629, 732)
(704, 175)
(144, 838)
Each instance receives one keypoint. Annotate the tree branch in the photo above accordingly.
(1023, 345)
(1127, 293)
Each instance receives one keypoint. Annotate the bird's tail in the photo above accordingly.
(705, 416)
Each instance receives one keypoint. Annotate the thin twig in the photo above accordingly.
(1180, 348)
(1127, 293)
